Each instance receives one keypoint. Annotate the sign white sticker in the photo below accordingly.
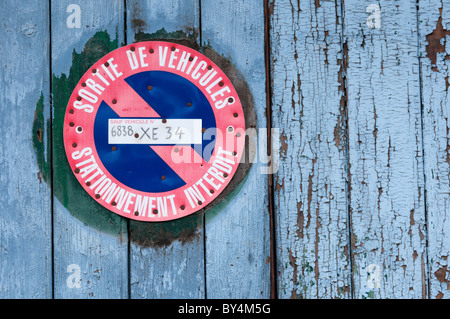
(155, 131)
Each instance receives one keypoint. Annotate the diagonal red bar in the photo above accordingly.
(184, 160)
(127, 103)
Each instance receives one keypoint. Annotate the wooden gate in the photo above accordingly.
(356, 95)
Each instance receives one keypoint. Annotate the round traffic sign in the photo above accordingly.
(154, 131)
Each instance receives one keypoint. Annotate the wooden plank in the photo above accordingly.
(166, 259)
(310, 186)
(385, 151)
(25, 198)
(434, 30)
(237, 231)
(90, 243)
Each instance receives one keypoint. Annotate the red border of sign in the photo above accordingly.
(77, 141)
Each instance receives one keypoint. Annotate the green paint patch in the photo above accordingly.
(67, 189)
(41, 140)
(65, 186)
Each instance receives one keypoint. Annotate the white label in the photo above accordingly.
(155, 131)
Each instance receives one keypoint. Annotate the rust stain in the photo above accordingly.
(185, 230)
(279, 186)
(293, 294)
(300, 220)
(411, 219)
(138, 25)
(337, 138)
(310, 183)
(441, 274)
(39, 135)
(292, 262)
(435, 43)
(317, 4)
(284, 146)
(341, 126)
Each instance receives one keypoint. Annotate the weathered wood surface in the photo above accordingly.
(90, 243)
(361, 192)
(386, 198)
(434, 31)
(166, 260)
(25, 199)
(237, 233)
(310, 186)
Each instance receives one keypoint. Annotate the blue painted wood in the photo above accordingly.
(166, 260)
(310, 185)
(385, 151)
(90, 243)
(25, 219)
(347, 100)
(434, 31)
(237, 232)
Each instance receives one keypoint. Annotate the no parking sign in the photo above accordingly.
(154, 131)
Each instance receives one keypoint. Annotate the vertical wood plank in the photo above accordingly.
(25, 200)
(385, 151)
(166, 259)
(434, 30)
(90, 243)
(310, 186)
(238, 232)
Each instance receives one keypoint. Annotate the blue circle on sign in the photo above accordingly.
(137, 165)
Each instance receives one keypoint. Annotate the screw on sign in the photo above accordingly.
(154, 131)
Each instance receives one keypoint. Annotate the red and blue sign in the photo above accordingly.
(154, 131)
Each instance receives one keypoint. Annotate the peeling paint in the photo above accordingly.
(41, 147)
(437, 42)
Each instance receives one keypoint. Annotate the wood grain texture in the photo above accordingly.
(434, 30)
(25, 200)
(85, 234)
(310, 186)
(237, 232)
(385, 152)
(166, 259)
